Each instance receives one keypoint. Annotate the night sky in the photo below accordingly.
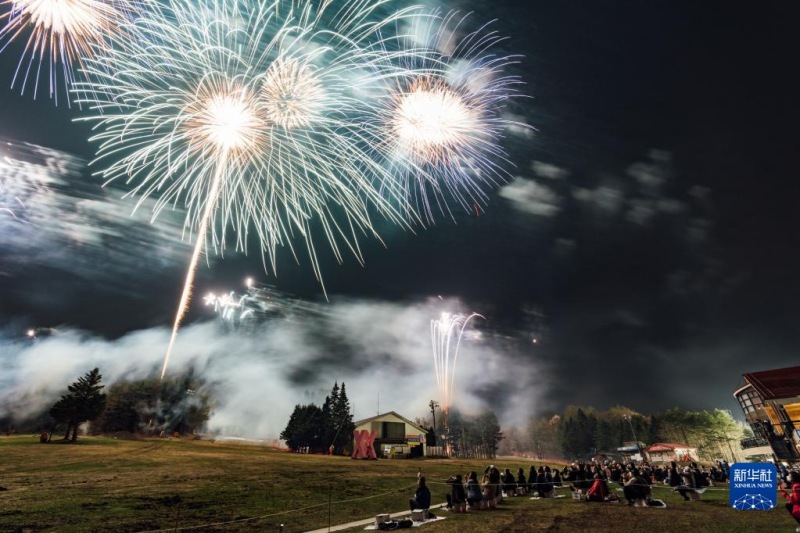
(646, 238)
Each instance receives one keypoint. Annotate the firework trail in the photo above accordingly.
(439, 125)
(32, 179)
(446, 336)
(59, 33)
(241, 112)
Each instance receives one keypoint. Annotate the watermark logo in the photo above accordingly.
(753, 486)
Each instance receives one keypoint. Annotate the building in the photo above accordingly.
(395, 436)
(770, 401)
(664, 452)
(632, 451)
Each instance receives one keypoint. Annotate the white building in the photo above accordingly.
(395, 436)
(664, 452)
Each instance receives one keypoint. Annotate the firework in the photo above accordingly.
(439, 123)
(58, 33)
(32, 184)
(247, 312)
(231, 308)
(446, 336)
(242, 113)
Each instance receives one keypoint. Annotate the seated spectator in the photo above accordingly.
(598, 492)
(556, 478)
(490, 484)
(675, 480)
(521, 481)
(422, 496)
(474, 494)
(544, 486)
(457, 497)
(793, 484)
(636, 487)
(580, 479)
(689, 484)
(509, 483)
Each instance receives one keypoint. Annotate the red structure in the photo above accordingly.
(364, 448)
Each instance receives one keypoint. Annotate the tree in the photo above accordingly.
(328, 415)
(543, 433)
(489, 431)
(82, 403)
(342, 422)
(178, 403)
(578, 435)
(305, 428)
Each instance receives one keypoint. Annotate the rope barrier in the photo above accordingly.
(409, 488)
(290, 511)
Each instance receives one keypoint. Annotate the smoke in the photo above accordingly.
(382, 351)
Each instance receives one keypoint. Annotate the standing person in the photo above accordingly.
(474, 495)
(793, 482)
(422, 496)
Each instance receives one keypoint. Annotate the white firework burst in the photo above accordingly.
(439, 124)
(243, 113)
(57, 35)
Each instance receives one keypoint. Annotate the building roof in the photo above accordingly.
(778, 383)
(393, 413)
(667, 447)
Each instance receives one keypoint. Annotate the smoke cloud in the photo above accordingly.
(382, 351)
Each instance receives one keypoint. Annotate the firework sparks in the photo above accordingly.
(247, 312)
(242, 113)
(292, 94)
(439, 124)
(446, 333)
(60, 33)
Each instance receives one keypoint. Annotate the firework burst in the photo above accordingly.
(439, 123)
(242, 113)
(58, 33)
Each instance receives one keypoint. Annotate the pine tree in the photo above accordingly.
(83, 402)
(304, 428)
(329, 416)
(342, 419)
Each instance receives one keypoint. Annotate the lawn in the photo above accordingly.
(104, 484)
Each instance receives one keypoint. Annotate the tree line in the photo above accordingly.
(322, 429)
(579, 433)
(144, 406)
(463, 436)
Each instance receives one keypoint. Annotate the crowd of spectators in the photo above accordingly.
(590, 481)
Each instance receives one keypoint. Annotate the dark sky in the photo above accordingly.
(646, 239)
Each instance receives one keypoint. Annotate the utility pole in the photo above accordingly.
(433, 405)
(638, 448)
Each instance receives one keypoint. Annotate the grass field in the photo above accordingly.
(103, 484)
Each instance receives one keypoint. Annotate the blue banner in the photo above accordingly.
(753, 486)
